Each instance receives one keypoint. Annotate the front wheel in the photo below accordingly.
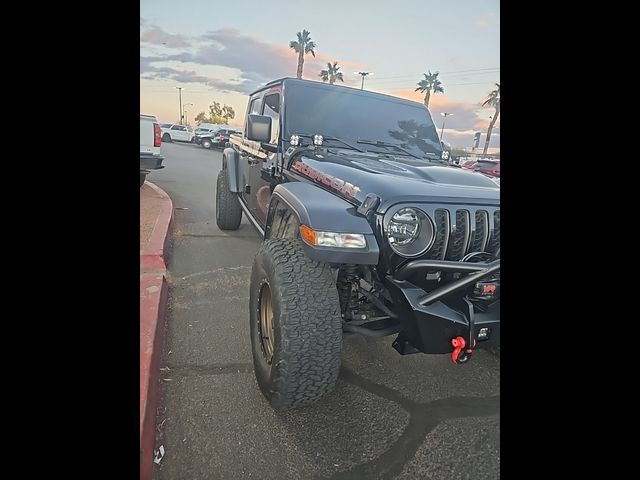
(166, 138)
(206, 144)
(295, 325)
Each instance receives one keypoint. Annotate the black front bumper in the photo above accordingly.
(431, 320)
(149, 161)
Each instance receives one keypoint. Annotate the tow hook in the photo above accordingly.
(460, 354)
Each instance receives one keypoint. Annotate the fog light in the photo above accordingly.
(318, 139)
(483, 334)
(294, 140)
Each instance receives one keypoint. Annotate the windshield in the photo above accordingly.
(353, 115)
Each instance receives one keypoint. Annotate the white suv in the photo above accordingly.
(178, 133)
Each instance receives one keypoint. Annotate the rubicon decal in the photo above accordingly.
(329, 180)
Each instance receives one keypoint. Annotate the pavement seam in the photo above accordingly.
(423, 418)
(206, 370)
(209, 272)
(214, 235)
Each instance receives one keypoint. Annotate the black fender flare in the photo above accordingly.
(324, 212)
(230, 160)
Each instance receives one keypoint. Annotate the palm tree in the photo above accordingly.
(302, 46)
(331, 73)
(428, 85)
(492, 100)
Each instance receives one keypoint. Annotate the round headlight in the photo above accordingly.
(410, 232)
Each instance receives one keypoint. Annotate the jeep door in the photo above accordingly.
(247, 159)
(255, 164)
(261, 178)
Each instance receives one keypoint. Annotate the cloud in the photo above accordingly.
(142, 21)
(151, 72)
(157, 36)
(485, 21)
(258, 61)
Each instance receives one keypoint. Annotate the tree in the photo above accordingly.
(228, 113)
(215, 111)
(428, 85)
(302, 46)
(202, 118)
(331, 73)
(217, 114)
(492, 100)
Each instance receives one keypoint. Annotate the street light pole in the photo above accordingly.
(180, 95)
(186, 121)
(445, 115)
(363, 74)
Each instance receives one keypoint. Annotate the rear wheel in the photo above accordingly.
(295, 325)
(228, 210)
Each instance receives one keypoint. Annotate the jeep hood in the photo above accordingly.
(401, 178)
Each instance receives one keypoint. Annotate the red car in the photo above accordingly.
(488, 167)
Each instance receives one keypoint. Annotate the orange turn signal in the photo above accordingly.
(309, 235)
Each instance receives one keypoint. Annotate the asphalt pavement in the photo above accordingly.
(390, 416)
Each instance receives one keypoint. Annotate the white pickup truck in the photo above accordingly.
(150, 141)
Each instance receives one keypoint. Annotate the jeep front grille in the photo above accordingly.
(462, 230)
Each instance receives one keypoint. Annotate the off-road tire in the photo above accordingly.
(166, 138)
(228, 210)
(306, 321)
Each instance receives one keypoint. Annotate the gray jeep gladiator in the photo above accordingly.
(366, 230)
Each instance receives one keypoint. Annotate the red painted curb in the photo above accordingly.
(152, 258)
(153, 307)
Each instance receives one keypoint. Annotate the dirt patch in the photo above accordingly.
(150, 203)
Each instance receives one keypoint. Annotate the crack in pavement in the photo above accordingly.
(214, 235)
(423, 418)
(203, 370)
(209, 272)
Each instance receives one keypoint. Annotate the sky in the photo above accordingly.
(222, 51)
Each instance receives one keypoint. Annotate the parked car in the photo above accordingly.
(218, 138)
(177, 133)
(150, 142)
(201, 132)
(203, 127)
(366, 230)
(488, 167)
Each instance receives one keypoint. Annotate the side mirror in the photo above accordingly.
(259, 128)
